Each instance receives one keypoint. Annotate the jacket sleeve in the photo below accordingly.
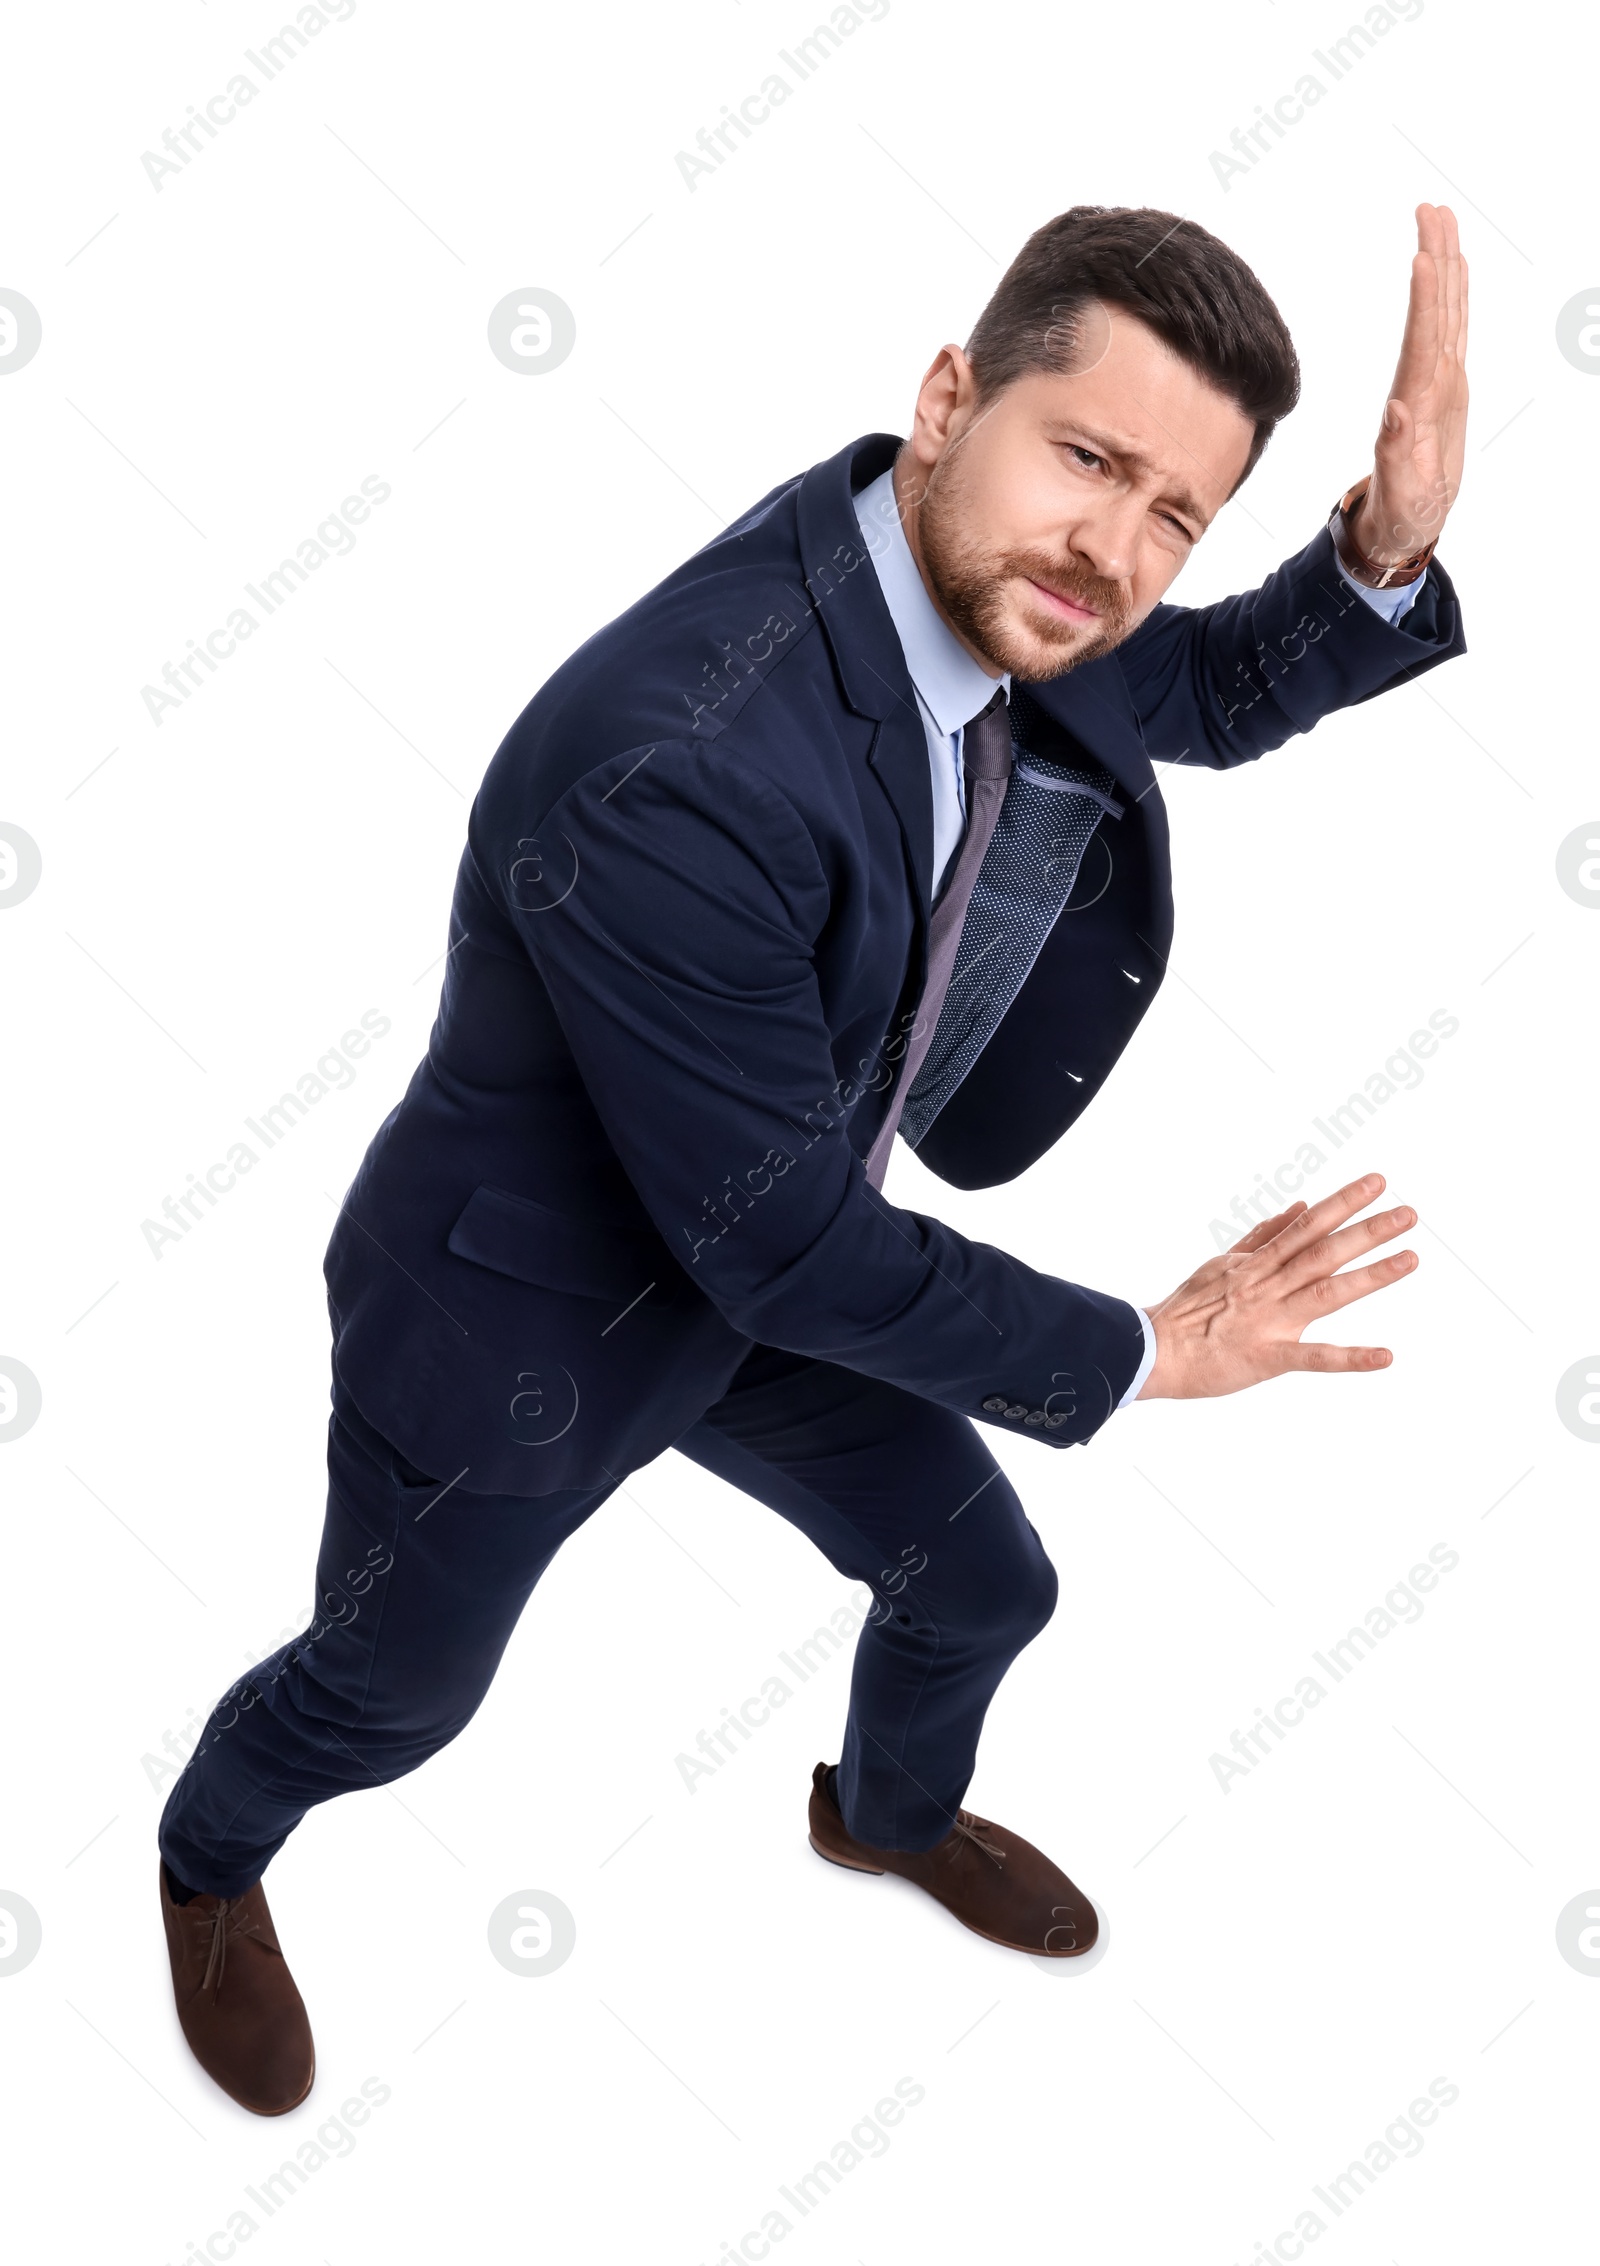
(671, 912)
(1218, 685)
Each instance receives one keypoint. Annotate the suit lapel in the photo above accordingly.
(899, 756)
(842, 587)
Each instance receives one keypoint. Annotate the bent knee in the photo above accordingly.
(1006, 1602)
(1033, 1594)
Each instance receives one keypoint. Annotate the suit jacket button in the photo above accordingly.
(1054, 1423)
(1015, 1410)
(995, 1404)
(1034, 1416)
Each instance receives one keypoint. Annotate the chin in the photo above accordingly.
(1027, 654)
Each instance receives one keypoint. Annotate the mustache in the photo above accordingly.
(1069, 580)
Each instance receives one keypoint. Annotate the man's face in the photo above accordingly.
(1053, 518)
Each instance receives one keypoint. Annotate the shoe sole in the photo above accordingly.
(287, 2106)
(255, 2108)
(1031, 1951)
(845, 1864)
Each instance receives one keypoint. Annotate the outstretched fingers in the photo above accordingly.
(1327, 1293)
(1419, 341)
(1332, 1359)
(1452, 281)
(1330, 1252)
(1264, 1230)
(1321, 1219)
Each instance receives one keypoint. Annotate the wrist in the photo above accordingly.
(1134, 1389)
(1382, 557)
(1155, 1386)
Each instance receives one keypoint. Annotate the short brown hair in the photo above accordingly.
(1184, 283)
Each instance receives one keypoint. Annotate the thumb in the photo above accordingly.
(1396, 432)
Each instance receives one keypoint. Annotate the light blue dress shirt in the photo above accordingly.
(950, 688)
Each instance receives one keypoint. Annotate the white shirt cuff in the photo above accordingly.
(1391, 604)
(1147, 1364)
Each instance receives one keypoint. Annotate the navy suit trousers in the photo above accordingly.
(418, 1592)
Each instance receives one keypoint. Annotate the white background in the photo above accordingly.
(1291, 1960)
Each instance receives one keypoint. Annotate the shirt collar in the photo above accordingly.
(952, 685)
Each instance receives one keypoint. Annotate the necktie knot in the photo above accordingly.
(986, 750)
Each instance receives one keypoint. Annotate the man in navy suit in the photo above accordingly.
(849, 826)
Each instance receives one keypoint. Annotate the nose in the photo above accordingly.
(1106, 538)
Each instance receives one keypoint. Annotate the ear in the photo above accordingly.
(947, 393)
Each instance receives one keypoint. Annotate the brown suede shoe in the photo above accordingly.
(994, 1882)
(237, 2003)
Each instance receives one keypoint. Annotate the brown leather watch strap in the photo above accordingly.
(1355, 561)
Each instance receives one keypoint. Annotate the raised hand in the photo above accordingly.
(1238, 1319)
(1422, 439)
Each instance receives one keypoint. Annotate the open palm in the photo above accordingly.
(1422, 440)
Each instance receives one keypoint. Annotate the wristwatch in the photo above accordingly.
(1355, 561)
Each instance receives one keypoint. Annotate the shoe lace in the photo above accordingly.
(225, 1921)
(979, 1832)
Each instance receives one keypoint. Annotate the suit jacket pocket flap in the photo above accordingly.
(517, 1237)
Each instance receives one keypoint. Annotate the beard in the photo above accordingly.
(972, 586)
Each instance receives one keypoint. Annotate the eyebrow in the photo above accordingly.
(1106, 444)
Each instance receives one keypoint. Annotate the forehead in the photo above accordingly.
(1136, 401)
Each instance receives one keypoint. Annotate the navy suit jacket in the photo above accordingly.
(688, 939)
